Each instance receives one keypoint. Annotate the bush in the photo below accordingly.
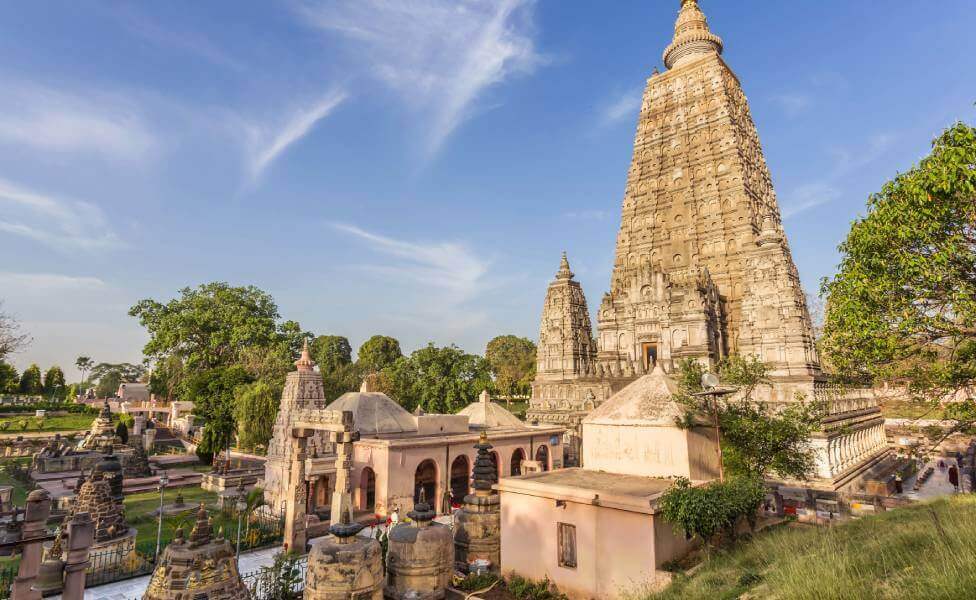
(704, 511)
(525, 589)
(473, 583)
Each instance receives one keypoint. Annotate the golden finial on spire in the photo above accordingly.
(304, 363)
(692, 36)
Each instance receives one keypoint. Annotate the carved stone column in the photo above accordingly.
(81, 534)
(295, 505)
(342, 497)
(34, 528)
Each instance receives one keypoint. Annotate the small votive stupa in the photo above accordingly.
(420, 557)
(200, 567)
(345, 566)
(101, 434)
(477, 540)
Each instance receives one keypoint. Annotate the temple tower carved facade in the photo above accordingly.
(702, 268)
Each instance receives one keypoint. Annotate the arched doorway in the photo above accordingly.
(367, 489)
(518, 457)
(426, 479)
(494, 461)
(460, 475)
(542, 457)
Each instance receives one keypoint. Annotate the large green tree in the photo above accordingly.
(903, 303)
(331, 352)
(378, 353)
(512, 362)
(439, 380)
(30, 381)
(54, 384)
(9, 378)
(209, 326)
(108, 384)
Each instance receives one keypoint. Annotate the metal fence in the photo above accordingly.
(124, 562)
(283, 581)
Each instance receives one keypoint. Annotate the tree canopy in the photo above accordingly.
(331, 352)
(209, 326)
(30, 381)
(84, 364)
(439, 380)
(54, 383)
(512, 362)
(377, 353)
(903, 303)
(9, 378)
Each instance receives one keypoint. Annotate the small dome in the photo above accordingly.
(374, 413)
(485, 414)
(649, 401)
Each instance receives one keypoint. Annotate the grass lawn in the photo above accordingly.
(76, 422)
(920, 552)
(139, 514)
(19, 494)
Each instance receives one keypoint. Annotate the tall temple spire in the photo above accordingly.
(692, 37)
(564, 272)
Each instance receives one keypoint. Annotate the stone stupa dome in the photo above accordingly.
(375, 413)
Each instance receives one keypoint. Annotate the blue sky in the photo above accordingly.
(409, 168)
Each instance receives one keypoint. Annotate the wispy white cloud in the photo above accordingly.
(50, 120)
(807, 197)
(625, 106)
(848, 159)
(439, 55)
(179, 39)
(61, 223)
(48, 282)
(440, 280)
(793, 103)
(267, 142)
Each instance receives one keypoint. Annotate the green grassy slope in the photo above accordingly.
(926, 551)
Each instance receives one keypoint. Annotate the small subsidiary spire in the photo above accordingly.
(305, 362)
(692, 37)
(564, 272)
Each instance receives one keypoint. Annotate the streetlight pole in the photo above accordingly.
(241, 506)
(163, 480)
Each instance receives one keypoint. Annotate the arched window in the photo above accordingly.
(460, 476)
(367, 489)
(425, 479)
(542, 457)
(518, 457)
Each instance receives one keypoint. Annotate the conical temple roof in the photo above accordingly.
(485, 414)
(647, 401)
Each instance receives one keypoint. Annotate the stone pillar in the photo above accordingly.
(342, 497)
(35, 527)
(81, 534)
(139, 425)
(149, 440)
(295, 515)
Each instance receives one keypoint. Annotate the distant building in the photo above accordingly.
(133, 392)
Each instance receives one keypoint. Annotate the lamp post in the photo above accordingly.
(163, 481)
(241, 506)
(712, 393)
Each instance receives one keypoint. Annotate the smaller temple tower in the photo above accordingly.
(303, 390)
(478, 530)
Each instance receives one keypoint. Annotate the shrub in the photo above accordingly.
(704, 511)
(525, 589)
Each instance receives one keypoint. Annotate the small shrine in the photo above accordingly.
(102, 432)
(420, 557)
(477, 533)
(202, 566)
(345, 565)
(98, 497)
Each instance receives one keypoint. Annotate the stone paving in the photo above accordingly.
(938, 484)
